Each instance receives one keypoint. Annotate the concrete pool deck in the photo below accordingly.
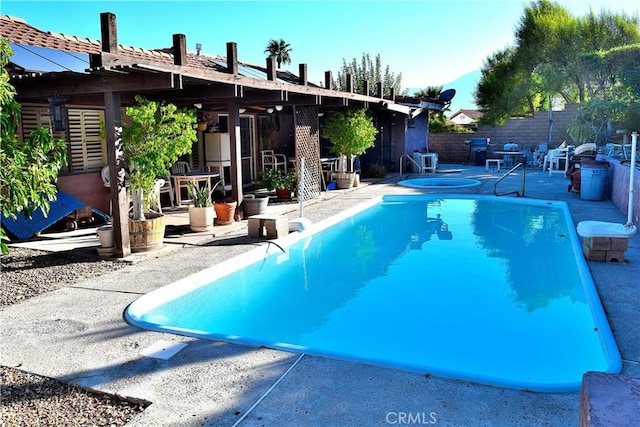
(77, 334)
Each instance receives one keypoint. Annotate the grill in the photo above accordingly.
(478, 146)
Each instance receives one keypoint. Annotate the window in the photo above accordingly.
(87, 149)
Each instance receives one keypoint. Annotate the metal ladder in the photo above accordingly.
(516, 192)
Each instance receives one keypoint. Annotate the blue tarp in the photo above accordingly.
(24, 228)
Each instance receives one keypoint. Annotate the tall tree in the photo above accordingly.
(28, 167)
(547, 59)
(368, 70)
(280, 50)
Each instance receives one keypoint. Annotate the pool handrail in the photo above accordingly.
(516, 192)
(413, 161)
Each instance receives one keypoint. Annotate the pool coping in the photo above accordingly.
(213, 384)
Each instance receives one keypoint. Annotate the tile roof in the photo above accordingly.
(474, 114)
(18, 31)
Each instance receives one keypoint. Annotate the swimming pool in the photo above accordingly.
(486, 289)
(446, 183)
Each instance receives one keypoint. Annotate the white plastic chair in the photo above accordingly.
(272, 160)
(165, 187)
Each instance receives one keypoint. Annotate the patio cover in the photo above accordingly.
(24, 228)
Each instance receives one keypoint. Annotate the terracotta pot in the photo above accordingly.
(225, 212)
(201, 219)
(283, 193)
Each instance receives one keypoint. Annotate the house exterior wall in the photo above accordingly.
(87, 188)
(416, 136)
(462, 119)
(527, 133)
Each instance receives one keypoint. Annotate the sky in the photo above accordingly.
(431, 42)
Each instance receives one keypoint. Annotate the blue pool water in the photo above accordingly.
(440, 183)
(483, 289)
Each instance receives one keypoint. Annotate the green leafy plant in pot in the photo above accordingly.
(351, 133)
(202, 214)
(277, 179)
(153, 138)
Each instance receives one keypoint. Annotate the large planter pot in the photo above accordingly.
(201, 219)
(105, 234)
(225, 212)
(344, 180)
(254, 205)
(148, 234)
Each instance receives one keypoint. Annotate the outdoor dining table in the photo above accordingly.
(511, 155)
(182, 181)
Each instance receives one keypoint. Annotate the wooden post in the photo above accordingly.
(232, 58)
(271, 69)
(179, 49)
(379, 92)
(302, 69)
(349, 83)
(365, 87)
(109, 32)
(328, 80)
(236, 154)
(393, 93)
(119, 197)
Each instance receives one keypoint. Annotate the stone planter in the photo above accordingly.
(254, 205)
(201, 219)
(225, 212)
(105, 234)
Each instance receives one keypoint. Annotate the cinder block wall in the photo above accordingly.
(527, 133)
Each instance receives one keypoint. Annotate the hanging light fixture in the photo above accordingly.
(278, 107)
(269, 110)
(57, 113)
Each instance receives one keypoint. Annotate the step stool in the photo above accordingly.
(496, 162)
(275, 226)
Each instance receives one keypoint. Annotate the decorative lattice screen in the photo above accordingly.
(308, 147)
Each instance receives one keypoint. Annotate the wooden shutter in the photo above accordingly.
(87, 148)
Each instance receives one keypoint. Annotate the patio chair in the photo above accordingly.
(180, 168)
(165, 187)
(272, 160)
(106, 181)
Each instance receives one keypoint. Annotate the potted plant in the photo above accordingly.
(351, 132)
(254, 204)
(153, 138)
(225, 211)
(202, 213)
(283, 182)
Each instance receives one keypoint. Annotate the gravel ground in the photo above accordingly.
(33, 400)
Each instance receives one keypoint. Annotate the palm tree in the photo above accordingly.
(280, 50)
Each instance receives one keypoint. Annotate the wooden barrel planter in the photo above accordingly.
(148, 234)
(344, 180)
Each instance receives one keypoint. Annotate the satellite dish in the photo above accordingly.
(447, 95)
